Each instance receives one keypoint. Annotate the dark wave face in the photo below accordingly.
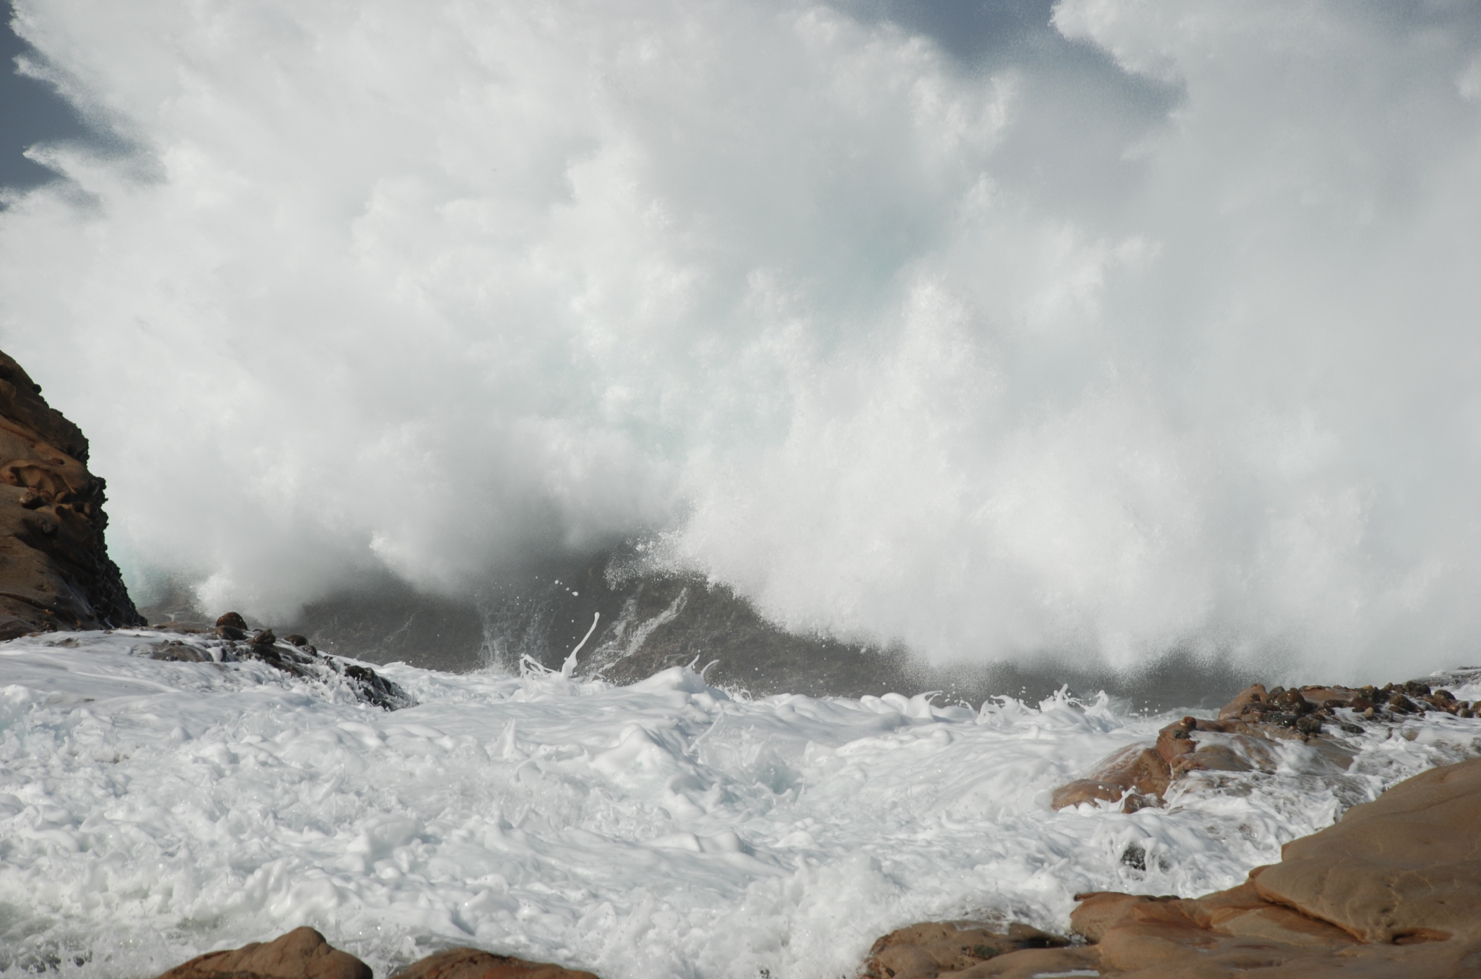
(1088, 334)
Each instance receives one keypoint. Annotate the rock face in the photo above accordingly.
(303, 953)
(1393, 890)
(54, 567)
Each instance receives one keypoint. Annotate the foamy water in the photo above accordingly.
(150, 811)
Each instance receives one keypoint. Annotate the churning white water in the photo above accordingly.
(150, 811)
(1098, 328)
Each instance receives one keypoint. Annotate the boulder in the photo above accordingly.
(303, 953)
(54, 567)
(471, 963)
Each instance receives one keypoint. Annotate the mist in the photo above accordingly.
(1094, 331)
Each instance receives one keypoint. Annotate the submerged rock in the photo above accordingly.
(54, 567)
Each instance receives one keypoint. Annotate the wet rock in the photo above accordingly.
(232, 626)
(55, 573)
(264, 637)
(947, 948)
(1404, 868)
(1393, 889)
(1245, 736)
(471, 963)
(303, 953)
(293, 639)
(175, 651)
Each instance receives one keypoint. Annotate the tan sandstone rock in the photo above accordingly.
(303, 953)
(1404, 868)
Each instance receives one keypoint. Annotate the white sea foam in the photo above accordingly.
(150, 811)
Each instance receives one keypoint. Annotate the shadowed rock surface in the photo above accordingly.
(54, 567)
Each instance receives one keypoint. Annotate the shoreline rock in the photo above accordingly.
(1392, 889)
(304, 953)
(1245, 735)
(293, 655)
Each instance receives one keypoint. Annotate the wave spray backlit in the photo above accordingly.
(1151, 326)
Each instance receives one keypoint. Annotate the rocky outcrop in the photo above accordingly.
(54, 567)
(233, 642)
(1244, 736)
(303, 953)
(1391, 890)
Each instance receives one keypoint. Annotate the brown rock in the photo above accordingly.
(471, 963)
(1139, 774)
(301, 954)
(54, 566)
(232, 620)
(1253, 694)
(1033, 963)
(1406, 867)
(950, 948)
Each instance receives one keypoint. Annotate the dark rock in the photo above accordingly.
(54, 567)
(1310, 725)
(303, 953)
(264, 637)
(293, 639)
(232, 620)
(471, 963)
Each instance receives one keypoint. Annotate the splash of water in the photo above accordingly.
(1149, 327)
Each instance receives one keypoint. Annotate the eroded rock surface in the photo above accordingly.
(54, 567)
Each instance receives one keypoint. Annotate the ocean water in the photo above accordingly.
(151, 811)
